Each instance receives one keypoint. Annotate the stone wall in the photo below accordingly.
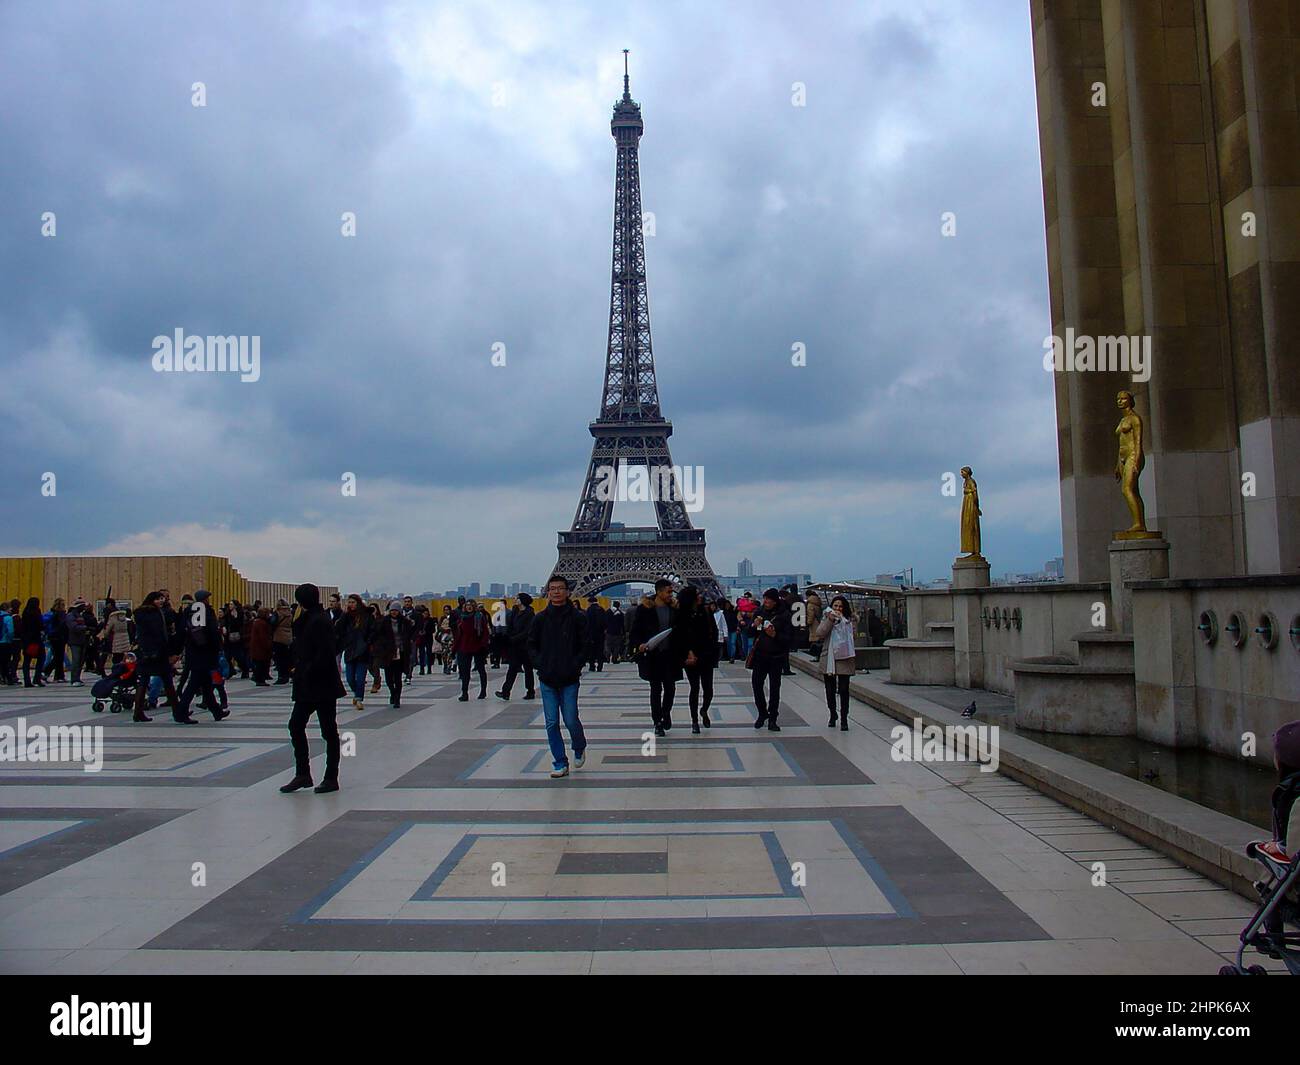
(1209, 687)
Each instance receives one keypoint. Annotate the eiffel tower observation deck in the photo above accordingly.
(631, 430)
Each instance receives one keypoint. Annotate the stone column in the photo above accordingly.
(1134, 560)
(967, 629)
(1083, 265)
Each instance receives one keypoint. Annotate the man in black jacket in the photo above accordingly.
(153, 658)
(316, 690)
(775, 635)
(595, 636)
(202, 641)
(662, 666)
(518, 626)
(557, 644)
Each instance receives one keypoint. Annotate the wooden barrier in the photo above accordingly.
(132, 576)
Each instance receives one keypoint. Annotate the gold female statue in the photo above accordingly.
(1128, 467)
(970, 515)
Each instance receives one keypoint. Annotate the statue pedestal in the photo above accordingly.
(1132, 559)
(970, 571)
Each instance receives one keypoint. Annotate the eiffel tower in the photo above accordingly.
(631, 430)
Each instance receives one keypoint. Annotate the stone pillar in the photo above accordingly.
(1134, 560)
(967, 629)
(970, 572)
(1164, 658)
(1085, 283)
(1252, 50)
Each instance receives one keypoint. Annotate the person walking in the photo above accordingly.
(773, 636)
(446, 637)
(661, 665)
(57, 629)
(117, 636)
(202, 642)
(378, 646)
(834, 635)
(355, 645)
(720, 623)
(8, 644)
(815, 614)
(517, 628)
(557, 645)
(316, 690)
(261, 647)
(282, 642)
(596, 636)
(390, 647)
(235, 637)
(614, 632)
(745, 609)
(699, 641)
(78, 636)
(794, 605)
(31, 637)
(473, 634)
(153, 659)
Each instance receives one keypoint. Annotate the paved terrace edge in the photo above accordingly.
(1202, 839)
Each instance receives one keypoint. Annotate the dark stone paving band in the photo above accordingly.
(946, 900)
(813, 760)
(98, 830)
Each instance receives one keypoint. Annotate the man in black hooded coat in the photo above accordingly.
(316, 690)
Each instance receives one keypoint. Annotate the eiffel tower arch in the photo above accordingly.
(631, 429)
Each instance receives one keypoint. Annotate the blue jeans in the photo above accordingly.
(557, 701)
(356, 672)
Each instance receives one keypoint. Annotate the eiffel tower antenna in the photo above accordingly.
(631, 429)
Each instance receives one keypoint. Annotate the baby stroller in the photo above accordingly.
(118, 687)
(1267, 930)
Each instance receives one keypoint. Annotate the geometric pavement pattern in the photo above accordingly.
(449, 848)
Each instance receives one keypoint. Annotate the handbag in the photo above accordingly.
(842, 641)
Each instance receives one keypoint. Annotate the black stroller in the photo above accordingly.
(118, 687)
(1267, 930)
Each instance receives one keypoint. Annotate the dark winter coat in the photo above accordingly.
(315, 672)
(557, 644)
(767, 648)
(665, 661)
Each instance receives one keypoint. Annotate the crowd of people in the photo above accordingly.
(184, 652)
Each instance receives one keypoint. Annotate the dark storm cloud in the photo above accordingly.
(481, 224)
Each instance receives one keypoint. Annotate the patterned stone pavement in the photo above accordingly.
(450, 849)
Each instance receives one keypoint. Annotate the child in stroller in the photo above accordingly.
(118, 687)
(1266, 930)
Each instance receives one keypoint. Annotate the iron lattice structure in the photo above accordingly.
(631, 429)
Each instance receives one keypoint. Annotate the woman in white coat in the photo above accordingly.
(838, 658)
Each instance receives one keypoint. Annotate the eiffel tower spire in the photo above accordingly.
(630, 429)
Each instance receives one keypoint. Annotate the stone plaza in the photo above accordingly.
(449, 849)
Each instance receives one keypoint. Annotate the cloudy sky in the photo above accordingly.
(472, 143)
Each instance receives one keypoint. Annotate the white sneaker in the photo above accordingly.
(563, 771)
(579, 760)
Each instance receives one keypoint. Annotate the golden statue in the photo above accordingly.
(970, 515)
(1128, 468)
